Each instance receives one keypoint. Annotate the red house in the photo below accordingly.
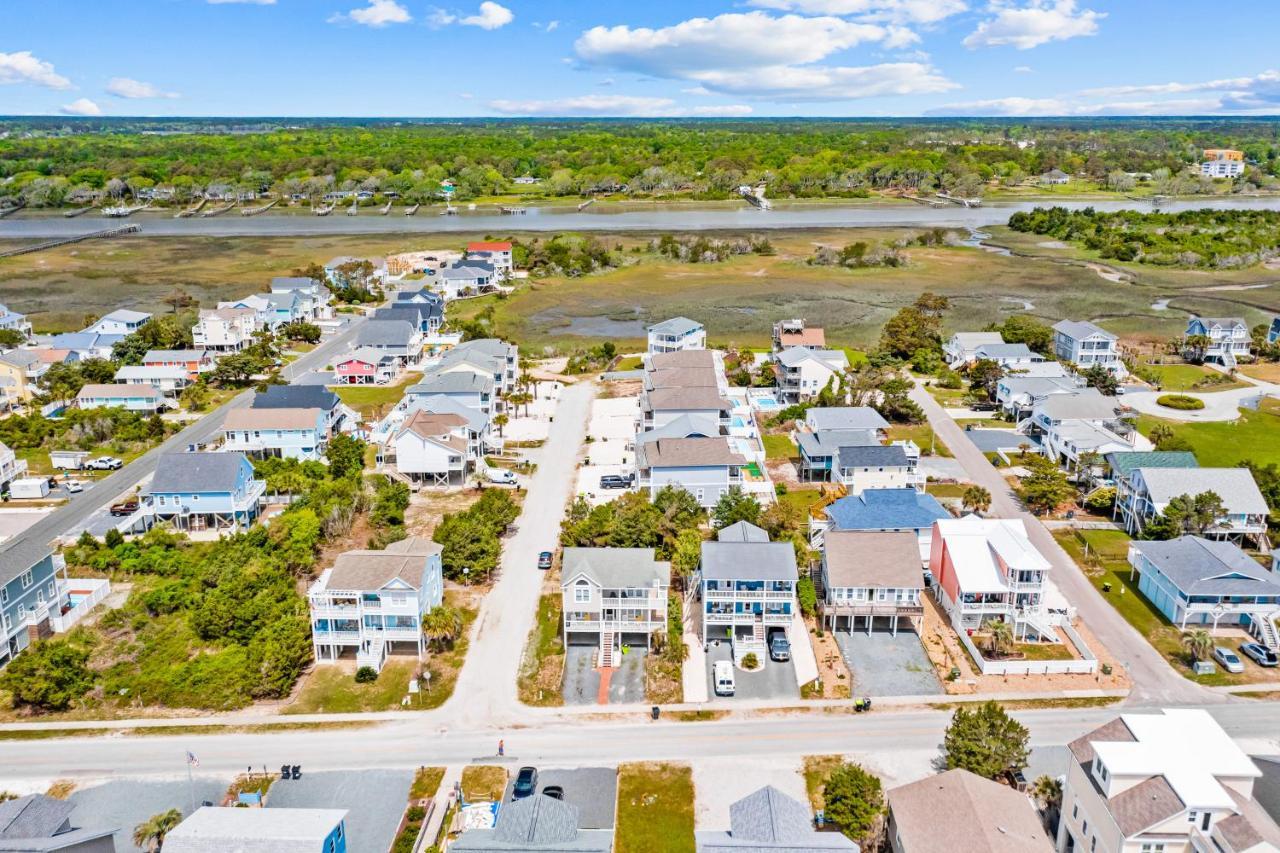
(497, 253)
(366, 366)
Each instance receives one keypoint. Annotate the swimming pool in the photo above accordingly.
(738, 422)
(766, 402)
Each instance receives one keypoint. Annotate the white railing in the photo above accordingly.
(94, 589)
(1086, 664)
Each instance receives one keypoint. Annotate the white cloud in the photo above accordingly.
(733, 40)
(906, 11)
(1070, 107)
(379, 13)
(827, 83)
(612, 105)
(1035, 23)
(22, 67)
(759, 55)
(490, 17)
(127, 87)
(81, 107)
(1024, 69)
(552, 26)
(1004, 107)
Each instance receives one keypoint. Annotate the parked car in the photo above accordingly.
(615, 481)
(74, 486)
(1228, 659)
(555, 792)
(125, 507)
(724, 683)
(502, 476)
(526, 783)
(544, 560)
(779, 646)
(1260, 654)
(104, 463)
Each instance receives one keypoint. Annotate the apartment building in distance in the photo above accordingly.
(1222, 163)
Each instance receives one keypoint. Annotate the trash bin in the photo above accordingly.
(1106, 587)
(654, 712)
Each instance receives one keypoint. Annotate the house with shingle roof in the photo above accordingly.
(119, 322)
(880, 510)
(30, 592)
(613, 596)
(747, 587)
(663, 405)
(768, 819)
(1085, 344)
(398, 338)
(1198, 581)
(876, 466)
(796, 333)
(225, 329)
(1122, 465)
(871, 574)
(212, 829)
(14, 320)
(134, 398)
(960, 350)
(960, 812)
(705, 467)
(1229, 338)
(1008, 356)
(370, 603)
(197, 492)
(432, 448)
(676, 335)
(1173, 780)
(534, 824)
(821, 418)
(276, 433)
(1019, 393)
(1246, 509)
(40, 824)
(803, 373)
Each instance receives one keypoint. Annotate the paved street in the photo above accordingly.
(1154, 681)
(486, 687)
(576, 742)
(74, 515)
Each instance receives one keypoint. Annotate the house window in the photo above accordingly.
(1075, 809)
(4, 595)
(1191, 816)
(27, 579)
(582, 593)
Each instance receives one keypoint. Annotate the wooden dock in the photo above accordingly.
(322, 210)
(217, 211)
(254, 211)
(191, 211)
(586, 204)
(118, 231)
(10, 211)
(412, 209)
(79, 211)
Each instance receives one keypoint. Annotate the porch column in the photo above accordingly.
(895, 624)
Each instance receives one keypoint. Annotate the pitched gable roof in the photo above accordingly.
(1236, 486)
(886, 509)
(995, 818)
(615, 568)
(196, 472)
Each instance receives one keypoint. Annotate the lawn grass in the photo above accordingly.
(631, 362)
(922, 435)
(801, 499)
(779, 447)
(444, 666)
(655, 808)
(946, 490)
(333, 690)
(817, 768)
(1043, 651)
(1267, 371)
(542, 669)
(369, 400)
(482, 782)
(1105, 563)
(1189, 377)
(426, 781)
(1254, 437)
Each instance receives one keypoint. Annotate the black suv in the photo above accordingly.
(526, 783)
(615, 481)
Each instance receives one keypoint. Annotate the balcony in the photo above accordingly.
(654, 622)
(872, 608)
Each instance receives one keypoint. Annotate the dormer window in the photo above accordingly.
(1100, 770)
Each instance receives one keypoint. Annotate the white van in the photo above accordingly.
(504, 476)
(723, 673)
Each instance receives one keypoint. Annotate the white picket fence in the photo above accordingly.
(1086, 665)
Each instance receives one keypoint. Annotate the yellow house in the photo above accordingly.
(16, 370)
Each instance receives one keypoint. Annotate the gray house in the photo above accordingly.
(611, 596)
(1085, 344)
(532, 824)
(399, 338)
(770, 820)
(39, 824)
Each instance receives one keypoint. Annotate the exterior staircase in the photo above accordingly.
(608, 643)
(374, 655)
(1265, 630)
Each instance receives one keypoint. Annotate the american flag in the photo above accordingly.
(192, 760)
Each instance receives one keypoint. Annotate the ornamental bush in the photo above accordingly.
(1183, 402)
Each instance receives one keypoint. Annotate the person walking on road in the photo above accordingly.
(502, 748)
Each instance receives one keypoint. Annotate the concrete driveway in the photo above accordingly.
(777, 680)
(374, 800)
(582, 679)
(121, 805)
(885, 665)
(594, 790)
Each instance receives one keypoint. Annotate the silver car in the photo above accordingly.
(1228, 659)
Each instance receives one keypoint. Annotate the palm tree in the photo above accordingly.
(976, 498)
(442, 625)
(151, 832)
(1047, 791)
(1198, 643)
(500, 420)
(1001, 635)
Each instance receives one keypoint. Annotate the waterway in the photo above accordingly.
(598, 217)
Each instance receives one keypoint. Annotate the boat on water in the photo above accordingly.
(119, 211)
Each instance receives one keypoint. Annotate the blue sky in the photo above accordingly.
(659, 58)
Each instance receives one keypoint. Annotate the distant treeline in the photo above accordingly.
(49, 162)
(1207, 239)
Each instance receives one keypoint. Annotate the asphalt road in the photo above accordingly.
(1154, 681)
(881, 738)
(73, 515)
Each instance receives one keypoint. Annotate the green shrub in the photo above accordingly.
(750, 661)
(1101, 500)
(807, 595)
(1180, 401)
(366, 675)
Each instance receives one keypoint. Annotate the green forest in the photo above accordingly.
(47, 163)
(1202, 239)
